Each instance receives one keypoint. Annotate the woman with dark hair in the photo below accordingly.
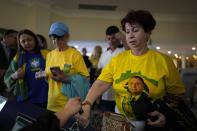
(21, 72)
(156, 69)
(42, 41)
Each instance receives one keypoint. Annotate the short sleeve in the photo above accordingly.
(79, 64)
(173, 81)
(108, 72)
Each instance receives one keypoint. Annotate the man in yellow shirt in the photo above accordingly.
(66, 60)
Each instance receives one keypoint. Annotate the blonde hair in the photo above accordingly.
(96, 52)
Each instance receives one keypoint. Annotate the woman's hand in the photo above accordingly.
(19, 74)
(84, 118)
(72, 107)
(41, 75)
(60, 76)
(160, 122)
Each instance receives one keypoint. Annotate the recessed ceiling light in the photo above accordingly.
(193, 48)
(169, 52)
(158, 48)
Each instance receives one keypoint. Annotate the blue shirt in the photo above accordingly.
(37, 89)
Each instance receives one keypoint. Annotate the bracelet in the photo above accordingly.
(86, 102)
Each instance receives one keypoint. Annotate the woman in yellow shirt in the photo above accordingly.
(94, 59)
(61, 62)
(156, 69)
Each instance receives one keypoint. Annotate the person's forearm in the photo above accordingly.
(97, 89)
(63, 117)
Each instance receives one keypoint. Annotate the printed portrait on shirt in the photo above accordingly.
(137, 98)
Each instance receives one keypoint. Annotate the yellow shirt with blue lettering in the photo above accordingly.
(156, 69)
(71, 62)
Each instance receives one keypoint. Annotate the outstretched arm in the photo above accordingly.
(98, 88)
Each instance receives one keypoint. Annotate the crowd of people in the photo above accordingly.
(127, 78)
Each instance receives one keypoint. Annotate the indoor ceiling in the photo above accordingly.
(175, 7)
(162, 9)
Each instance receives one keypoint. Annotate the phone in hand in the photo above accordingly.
(55, 68)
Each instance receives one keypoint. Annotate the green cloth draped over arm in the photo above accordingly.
(20, 87)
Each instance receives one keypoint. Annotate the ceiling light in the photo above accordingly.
(76, 46)
(187, 58)
(175, 54)
(169, 52)
(158, 48)
(193, 48)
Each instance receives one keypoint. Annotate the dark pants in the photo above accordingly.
(107, 105)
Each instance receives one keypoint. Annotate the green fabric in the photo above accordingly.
(20, 89)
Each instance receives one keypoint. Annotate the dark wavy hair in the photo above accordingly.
(142, 17)
(28, 32)
(111, 30)
(145, 86)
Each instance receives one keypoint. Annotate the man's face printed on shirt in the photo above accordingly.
(135, 86)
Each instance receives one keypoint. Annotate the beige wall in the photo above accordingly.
(38, 19)
(13, 15)
(86, 28)
(175, 32)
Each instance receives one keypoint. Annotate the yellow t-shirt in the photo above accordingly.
(94, 62)
(156, 69)
(71, 62)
